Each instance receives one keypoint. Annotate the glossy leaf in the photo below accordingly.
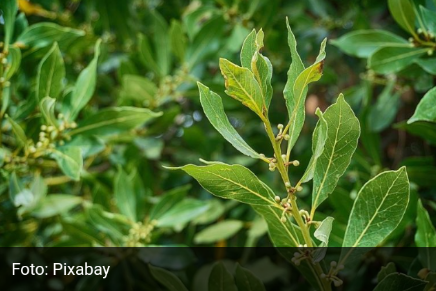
(428, 65)
(399, 281)
(51, 72)
(47, 107)
(70, 161)
(124, 195)
(114, 120)
(138, 88)
(9, 10)
(168, 200)
(247, 281)
(14, 61)
(363, 43)
(387, 60)
(162, 43)
(220, 279)
(183, 212)
(222, 230)
(232, 182)
(403, 13)
(429, 19)
(85, 85)
(296, 102)
(167, 279)
(242, 85)
(378, 209)
(178, 40)
(425, 111)
(343, 132)
(56, 204)
(214, 110)
(248, 49)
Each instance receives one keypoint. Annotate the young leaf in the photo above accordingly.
(220, 279)
(124, 195)
(9, 10)
(296, 102)
(183, 212)
(168, 200)
(318, 141)
(232, 182)
(388, 60)
(170, 281)
(429, 18)
(138, 88)
(55, 204)
(247, 281)
(18, 131)
(248, 49)
(241, 85)
(146, 55)
(404, 14)
(85, 85)
(14, 60)
(399, 281)
(222, 230)
(114, 120)
(47, 106)
(363, 43)
(425, 109)
(377, 210)
(70, 161)
(322, 233)
(51, 72)
(425, 237)
(282, 234)
(162, 43)
(178, 40)
(343, 132)
(214, 110)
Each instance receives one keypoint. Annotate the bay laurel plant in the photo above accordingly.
(380, 203)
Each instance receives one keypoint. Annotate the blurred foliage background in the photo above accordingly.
(151, 55)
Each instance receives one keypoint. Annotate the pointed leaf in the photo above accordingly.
(363, 43)
(398, 281)
(248, 49)
(178, 40)
(9, 10)
(214, 110)
(425, 238)
(232, 182)
(124, 195)
(220, 279)
(114, 120)
(429, 18)
(377, 210)
(14, 61)
(222, 230)
(385, 271)
(241, 85)
(162, 43)
(18, 131)
(343, 132)
(146, 55)
(296, 102)
(183, 212)
(322, 233)
(425, 111)
(247, 281)
(47, 107)
(55, 204)
(51, 72)
(70, 161)
(170, 281)
(388, 60)
(428, 65)
(403, 13)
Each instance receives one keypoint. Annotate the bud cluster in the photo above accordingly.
(139, 233)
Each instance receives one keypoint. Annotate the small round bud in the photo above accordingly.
(43, 127)
(430, 52)
(410, 39)
(61, 127)
(288, 185)
(333, 264)
(323, 276)
(280, 126)
(283, 219)
(284, 157)
(272, 169)
(60, 116)
(32, 149)
(287, 137)
(341, 267)
(277, 198)
(74, 125)
(41, 134)
(50, 128)
(261, 155)
(4, 61)
(61, 142)
(296, 163)
(52, 146)
(299, 189)
(39, 144)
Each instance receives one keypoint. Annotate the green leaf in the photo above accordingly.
(170, 281)
(385, 271)
(377, 210)
(85, 85)
(214, 110)
(178, 40)
(124, 195)
(425, 111)
(232, 182)
(425, 238)
(138, 88)
(114, 120)
(322, 233)
(343, 132)
(14, 61)
(9, 10)
(248, 49)
(43, 34)
(18, 131)
(51, 72)
(220, 279)
(398, 281)
(222, 230)
(422, 129)
(216, 210)
(70, 161)
(295, 102)
(387, 60)
(146, 55)
(363, 43)
(15, 187)
(55, 204)
(282, 234)
(404, 14)
(429, 19)
(168, 200)
(241, 85)
(428, 65)
(47, 107)
(247, 281)
(387, 105)
(319, 138)
(183, 212)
